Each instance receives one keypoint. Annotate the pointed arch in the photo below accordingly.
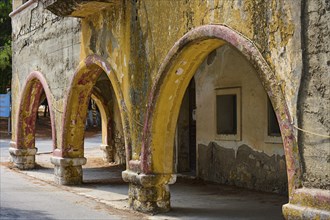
(33, 87)
(170, 85)
(76, 104)
(105, 117)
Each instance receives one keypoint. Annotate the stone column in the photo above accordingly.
(23, 159)
(68, 171)
(108, 153)
(149, 193)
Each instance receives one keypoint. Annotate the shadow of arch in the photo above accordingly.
(33, 88)
(76, 105)
(170, 85)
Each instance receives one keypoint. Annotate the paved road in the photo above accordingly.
(26, 195)
(45, 145)
(23, 197)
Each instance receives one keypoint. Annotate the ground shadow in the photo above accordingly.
(12, 213)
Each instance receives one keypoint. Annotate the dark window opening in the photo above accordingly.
(226, 110)
(273, 126)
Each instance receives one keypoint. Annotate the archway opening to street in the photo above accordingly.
(43, 134)
(94, 89)
(35, 130)
(104, 146)
(232, 115)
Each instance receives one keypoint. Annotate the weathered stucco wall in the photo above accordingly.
(314, 97)
(145, 31)
(132, 40)
(226, 68)
(254, 161)
(49, 44)
(272, 25)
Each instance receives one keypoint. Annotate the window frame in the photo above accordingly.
(271, 139)
(229, 91)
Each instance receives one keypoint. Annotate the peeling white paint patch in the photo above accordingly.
(183, 62)
(179, 71)
(114, 65)
(105, 67)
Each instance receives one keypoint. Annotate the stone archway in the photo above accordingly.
(69, 158)
(105, 124)
(169, 87)
(23, 149)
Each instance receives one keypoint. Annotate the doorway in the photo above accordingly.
(185, 140)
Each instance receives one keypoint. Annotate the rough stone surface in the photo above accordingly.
(23, 159)
(68, 171)
(153, 199)
(298, 212)
(107, 153)
(314, 97)
(71, 175)
(244, 168)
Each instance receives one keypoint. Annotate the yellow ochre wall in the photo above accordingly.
(136, 37)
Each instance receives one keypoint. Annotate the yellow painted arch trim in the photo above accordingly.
(80, 91)
(172, 80)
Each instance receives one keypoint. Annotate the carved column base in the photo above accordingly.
(149, 193)
(307, 203)
(108, 153)
(291, 211)
(68, 171)
(23, 159)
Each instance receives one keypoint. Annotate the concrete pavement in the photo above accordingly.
(23, 197)
(190, 199)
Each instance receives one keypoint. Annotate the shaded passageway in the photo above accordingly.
(190, 199)
(91, 104)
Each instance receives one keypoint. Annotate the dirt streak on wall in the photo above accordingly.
(314, 97)
(42, 41)
(145, 31)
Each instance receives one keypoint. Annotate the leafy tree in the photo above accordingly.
(5, 45)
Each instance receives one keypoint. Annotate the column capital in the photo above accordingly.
(148, 180)
(23, 151)
(66, 162)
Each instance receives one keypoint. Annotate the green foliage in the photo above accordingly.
(5, 57)
(5, 45)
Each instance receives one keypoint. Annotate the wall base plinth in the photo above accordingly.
(292, 211)
(149, 193)
(108, 153)
(308, 203)
(68, 171)
(23, 159)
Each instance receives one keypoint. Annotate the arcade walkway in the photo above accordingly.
(191, 199)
